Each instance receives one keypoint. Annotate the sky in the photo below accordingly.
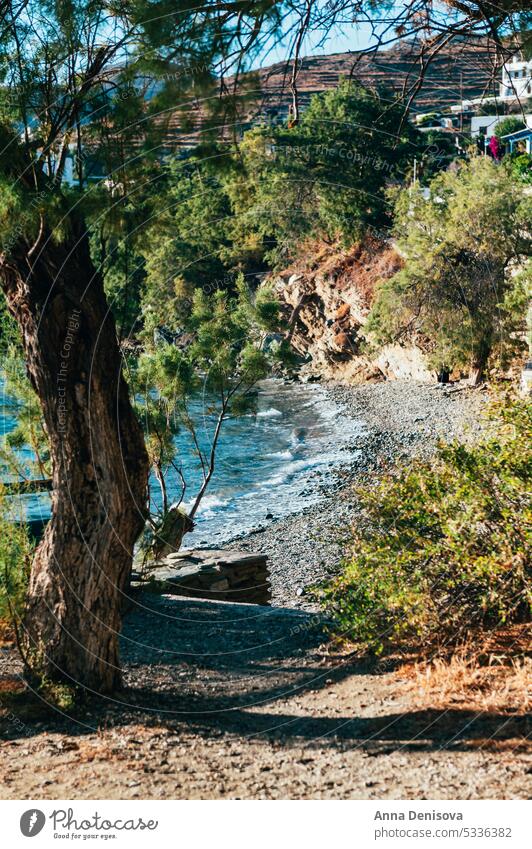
(341, 40)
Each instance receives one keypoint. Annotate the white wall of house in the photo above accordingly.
(516, 79)
(485, 124)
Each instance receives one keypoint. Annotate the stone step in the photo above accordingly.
(216, 574)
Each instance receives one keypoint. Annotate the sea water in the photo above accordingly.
(272, 462)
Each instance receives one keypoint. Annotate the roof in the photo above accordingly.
(519, 134)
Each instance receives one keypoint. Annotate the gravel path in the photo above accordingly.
(402, 420)
(234, 701)
(238, 701)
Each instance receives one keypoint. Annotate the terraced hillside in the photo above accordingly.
(463, 70)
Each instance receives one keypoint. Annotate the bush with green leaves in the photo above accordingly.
(445, 547)
(188, 243)
(520, 167)
(326, 176)
(438, 152)
(510, 124)
(462, 245)
(15, 560)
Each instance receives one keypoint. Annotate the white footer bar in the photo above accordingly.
(260, 824)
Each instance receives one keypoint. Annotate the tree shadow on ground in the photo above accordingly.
(213, 667)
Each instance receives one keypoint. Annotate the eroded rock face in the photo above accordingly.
(327, 305)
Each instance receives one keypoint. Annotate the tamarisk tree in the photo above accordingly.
(61, 63)
(62, 66)
(235, 341)
(462, 247)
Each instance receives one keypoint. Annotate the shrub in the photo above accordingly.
(520, 166)
(15, 559)
(457, 288)
(508, 125)
(445, 546)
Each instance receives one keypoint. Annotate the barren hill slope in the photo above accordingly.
(462, 70)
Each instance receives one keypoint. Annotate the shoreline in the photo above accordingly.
(402, 420)
(207, 684)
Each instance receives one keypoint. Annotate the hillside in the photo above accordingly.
(462, 70)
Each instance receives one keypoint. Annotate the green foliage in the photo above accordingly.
(444, 547)
(428, 119)
(29, 431)
(520, 166)
(229, 336)
(223, 210)
(327, 175)
(456, 286)
(64, 94)
(508, 125)
(189, 242)
(16, 547)
(124, 278)
(225, 356)
(437, 153)
(115, 231)
(161, 383)
(15, 559)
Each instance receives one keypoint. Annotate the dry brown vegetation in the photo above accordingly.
(492, 675)
(362, 266)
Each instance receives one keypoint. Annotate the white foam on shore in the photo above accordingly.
(318, 443)
(272, 413)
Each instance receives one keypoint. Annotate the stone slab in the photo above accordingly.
(215, 574)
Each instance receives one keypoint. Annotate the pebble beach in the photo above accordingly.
(402, 420)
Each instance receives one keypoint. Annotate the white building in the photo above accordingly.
(516, 81)
(515, 86)
(484, 125)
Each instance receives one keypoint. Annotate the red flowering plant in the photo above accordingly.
(496, 148)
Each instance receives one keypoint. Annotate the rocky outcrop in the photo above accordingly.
(220, 575)
(327, 303)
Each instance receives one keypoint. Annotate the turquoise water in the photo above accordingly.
(273, 462)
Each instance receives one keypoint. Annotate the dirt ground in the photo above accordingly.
(235, 701)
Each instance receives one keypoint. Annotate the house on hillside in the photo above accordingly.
(516, 83)
(484, 125)
(515, 89)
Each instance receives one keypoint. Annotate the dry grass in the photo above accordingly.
(7, 633)
(361, 267)
(493, 676)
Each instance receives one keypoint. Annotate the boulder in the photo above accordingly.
(215, 574)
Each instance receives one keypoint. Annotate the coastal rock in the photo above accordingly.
(214, 574)
(327, 302)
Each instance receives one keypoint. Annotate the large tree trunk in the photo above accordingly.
(100, 466)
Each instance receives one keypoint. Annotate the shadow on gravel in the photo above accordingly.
(421, 730)
(213, 667)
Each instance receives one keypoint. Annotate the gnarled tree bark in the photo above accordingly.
(100, 465)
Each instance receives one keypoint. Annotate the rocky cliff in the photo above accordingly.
(327, 300)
